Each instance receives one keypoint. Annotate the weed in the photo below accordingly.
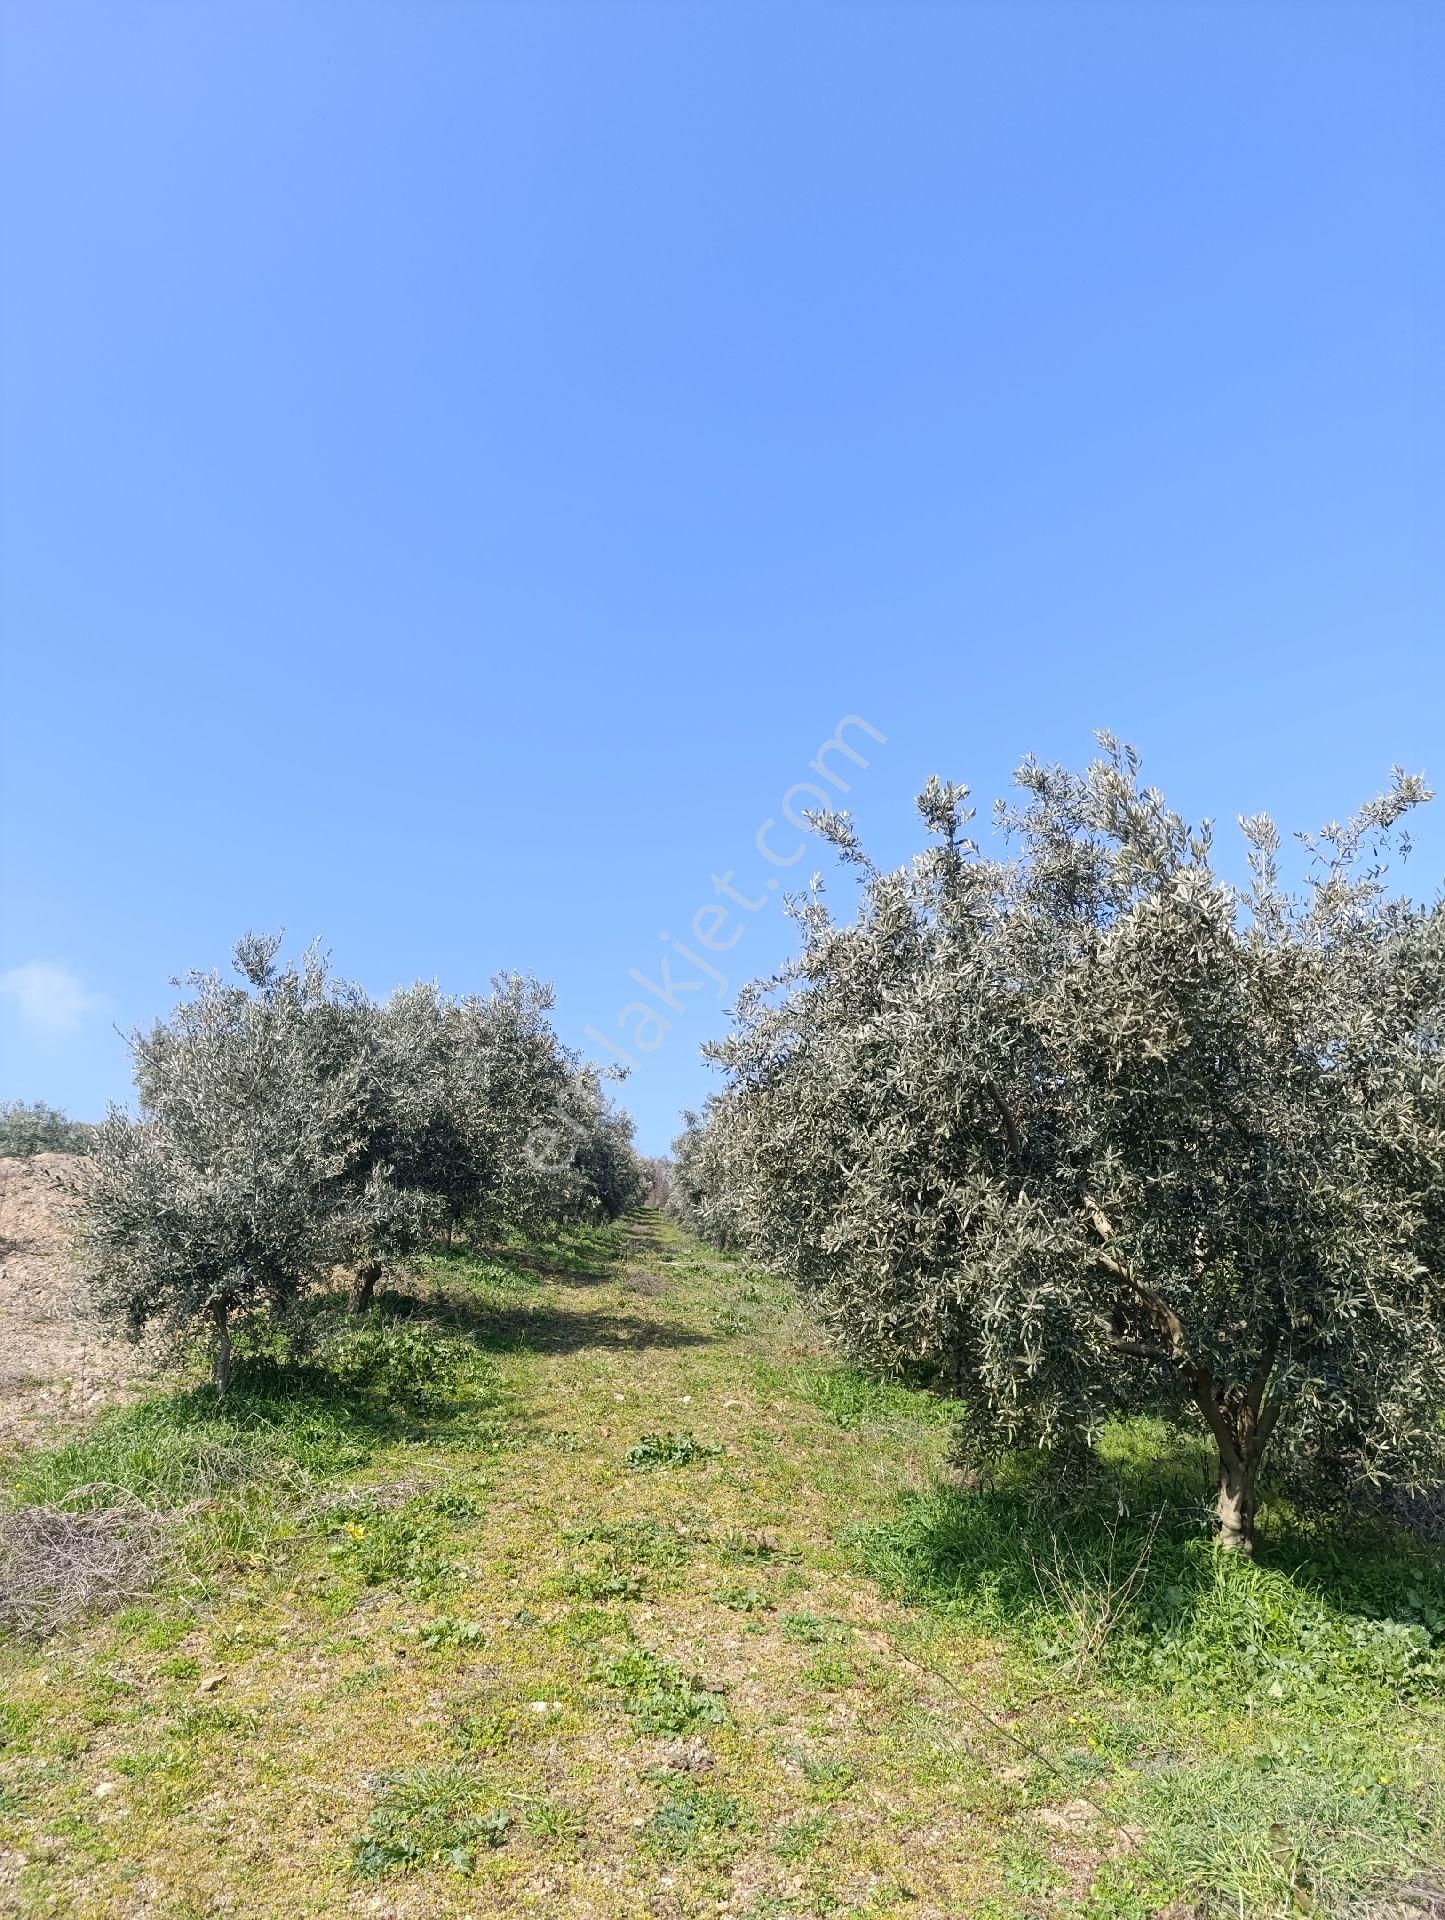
(365, 1680)
(400, 1364)
(693, 1821)
(754, 1549)
(404, 1547)
(829, 1776)
(150, 1629)
(1338, 1811)
(734, 1319)
(804, 1836)
(209, 1719)
(851, 1399)
(164, 1453)
(745, 1599)
(1092, 1595)
(655, 1450)
(17, 1723)
(637, 1543)
(429, 1817)
(448, 1632)
(603, 1583)
(624, 1560)
(457, 1503)
(546, 1820)
(583, 1626)
(657, 1695)
(490, 1730)
(813, 1631)
(829, 1672)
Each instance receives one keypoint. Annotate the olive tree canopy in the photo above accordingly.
(238, 1181)
(35, 1127)
(1088, 1128)
(288, 1124)
(705, 1191)
(456, 1090)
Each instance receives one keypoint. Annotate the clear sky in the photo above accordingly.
(461, 461)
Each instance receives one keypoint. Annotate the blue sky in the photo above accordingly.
(460, 462)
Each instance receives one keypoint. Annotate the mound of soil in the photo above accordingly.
(57, 1366)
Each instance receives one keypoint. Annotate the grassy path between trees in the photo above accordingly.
(578, 1581)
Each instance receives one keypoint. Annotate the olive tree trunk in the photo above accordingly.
(1241, 1426)
(365, 1286)
(1237, 1499)
(221, 1350)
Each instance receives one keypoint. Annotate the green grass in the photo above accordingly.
(655, 1450)
(693, 1822)
(658, 1697)
(314, 1406)
(576, 1579)
(1262, 1725)
(854, 1402)
(429, 1817)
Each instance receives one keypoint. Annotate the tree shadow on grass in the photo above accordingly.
(486, 1265)
(512, 1326)
(285, 1411)
(570, 1270)
(1125, 1561)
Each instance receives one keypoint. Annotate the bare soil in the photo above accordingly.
(57, 1366)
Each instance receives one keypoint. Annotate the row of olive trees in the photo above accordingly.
(31, 1127)
(289, 1125)
(705, 1186)
(1088, 1130)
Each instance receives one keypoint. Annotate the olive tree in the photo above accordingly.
(607, 1177)
(583, 1165)
(1077, 1126)
(237, 1182)
(464, 1101)
(657, 1171)
(30, 1128)
(705, 1191)
(398, 1202)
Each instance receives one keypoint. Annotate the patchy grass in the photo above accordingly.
(429, 1817)
(657, 1696)
(694, 1823)
(655, 1450)
(576, 1580)
(1266, 1733)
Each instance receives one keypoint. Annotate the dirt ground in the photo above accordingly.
(56, 1364)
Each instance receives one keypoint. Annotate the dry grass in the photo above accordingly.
(57, 1366)
(59, 1564)
(1092, 1597)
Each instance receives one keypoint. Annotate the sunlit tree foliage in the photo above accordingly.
(1087, 1129)
(237, 1183)
(287, 1125)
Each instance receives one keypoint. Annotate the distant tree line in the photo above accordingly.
(658, 1172)
(289, 1125)
(28, 1128)
(1078, 1128)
